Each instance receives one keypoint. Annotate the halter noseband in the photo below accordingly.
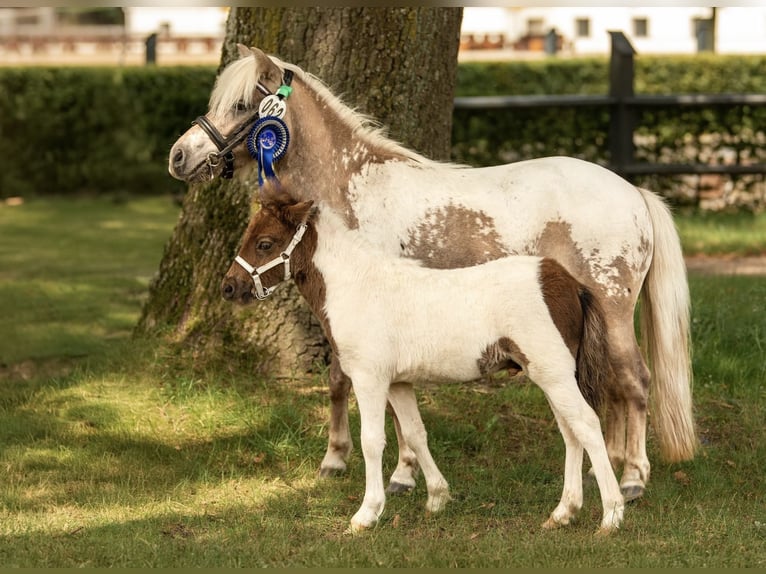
(262, 292)
(226, 145)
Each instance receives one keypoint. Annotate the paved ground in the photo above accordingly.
(727, 265)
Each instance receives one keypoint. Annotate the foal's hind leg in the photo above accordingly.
(581, 421)
(571, 496)
(339, 444)
(403, 478)
(403, 400)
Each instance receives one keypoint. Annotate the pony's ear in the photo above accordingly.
(243, 51)
(267, 69)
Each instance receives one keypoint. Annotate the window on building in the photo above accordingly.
(582, 27)
(640, 27)
(535, 27)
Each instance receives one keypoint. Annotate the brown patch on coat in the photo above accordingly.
(556, 242)
(580, 320)
(450, 237)
(561, 295)
(503, 354)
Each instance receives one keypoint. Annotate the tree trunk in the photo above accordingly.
(397, 65)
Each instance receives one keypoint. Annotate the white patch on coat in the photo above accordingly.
(609, 221)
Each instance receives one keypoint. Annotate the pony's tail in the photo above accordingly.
(593, 367)
(665, 337)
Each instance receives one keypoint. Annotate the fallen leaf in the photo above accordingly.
(395, 521)
(682, 478)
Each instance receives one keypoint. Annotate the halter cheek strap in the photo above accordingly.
(262, 292)
(226, 145)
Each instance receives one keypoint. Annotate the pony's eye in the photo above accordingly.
(264, 245)
(241, 106)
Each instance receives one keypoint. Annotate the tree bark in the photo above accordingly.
(397, 65)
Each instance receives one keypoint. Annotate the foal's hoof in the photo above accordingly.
(398, 488)
(632, 491)
(603, 532)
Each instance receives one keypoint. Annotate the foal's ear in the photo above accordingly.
(301, 212)
(243, 51)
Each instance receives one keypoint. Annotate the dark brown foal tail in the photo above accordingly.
(593, 367)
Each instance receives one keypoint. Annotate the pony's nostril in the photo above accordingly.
(178, 157)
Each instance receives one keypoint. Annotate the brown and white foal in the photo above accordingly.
(394, 323)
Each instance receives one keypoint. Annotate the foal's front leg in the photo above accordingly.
(340, 444)
(371, 396)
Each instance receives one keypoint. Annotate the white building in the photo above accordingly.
(188, 22)
(651, 30)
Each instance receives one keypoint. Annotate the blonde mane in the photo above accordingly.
(237, 84)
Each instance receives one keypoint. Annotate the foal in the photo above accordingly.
(393, 323)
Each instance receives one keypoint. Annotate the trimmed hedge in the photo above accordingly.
(71, 130)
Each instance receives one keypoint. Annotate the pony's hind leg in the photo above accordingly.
(403, 400)
(339, 443)
(626, 438)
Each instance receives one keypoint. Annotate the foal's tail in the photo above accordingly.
(665, 337)
(593, 367)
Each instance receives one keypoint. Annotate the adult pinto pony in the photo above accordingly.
(421, 325)
(615, 238)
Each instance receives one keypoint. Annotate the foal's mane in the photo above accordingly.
(237, 83)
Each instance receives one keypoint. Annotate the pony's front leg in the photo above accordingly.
(371, 393)
(571, 497)
(339, 443)
(405, 405)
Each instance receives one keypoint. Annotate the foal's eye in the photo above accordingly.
(241, 106)
(264, 245)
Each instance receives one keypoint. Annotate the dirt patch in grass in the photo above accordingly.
(727, 264)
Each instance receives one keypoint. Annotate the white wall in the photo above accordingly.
(741, 31)
(671, 29)
(210, 21)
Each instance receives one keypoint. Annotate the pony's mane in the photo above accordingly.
(237, 84)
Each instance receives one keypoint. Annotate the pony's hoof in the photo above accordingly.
(552, 524)
(331, 472)
(632, 491)
(399, 488)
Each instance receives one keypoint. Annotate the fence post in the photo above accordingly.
(151, 49)
(622, 120)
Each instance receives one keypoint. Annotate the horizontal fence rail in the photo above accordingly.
(624, 106)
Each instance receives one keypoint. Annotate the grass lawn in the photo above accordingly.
(115, 452)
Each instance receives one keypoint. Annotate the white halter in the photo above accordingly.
(262, 292)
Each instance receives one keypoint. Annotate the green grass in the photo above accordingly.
(118, 453)
(742, 233)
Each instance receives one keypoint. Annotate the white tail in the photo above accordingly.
(665, 337)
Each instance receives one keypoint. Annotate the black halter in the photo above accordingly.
(226, 145)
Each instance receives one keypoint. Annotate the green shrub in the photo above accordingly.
(71, 130)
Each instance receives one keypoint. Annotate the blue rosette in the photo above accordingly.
(267, 143)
